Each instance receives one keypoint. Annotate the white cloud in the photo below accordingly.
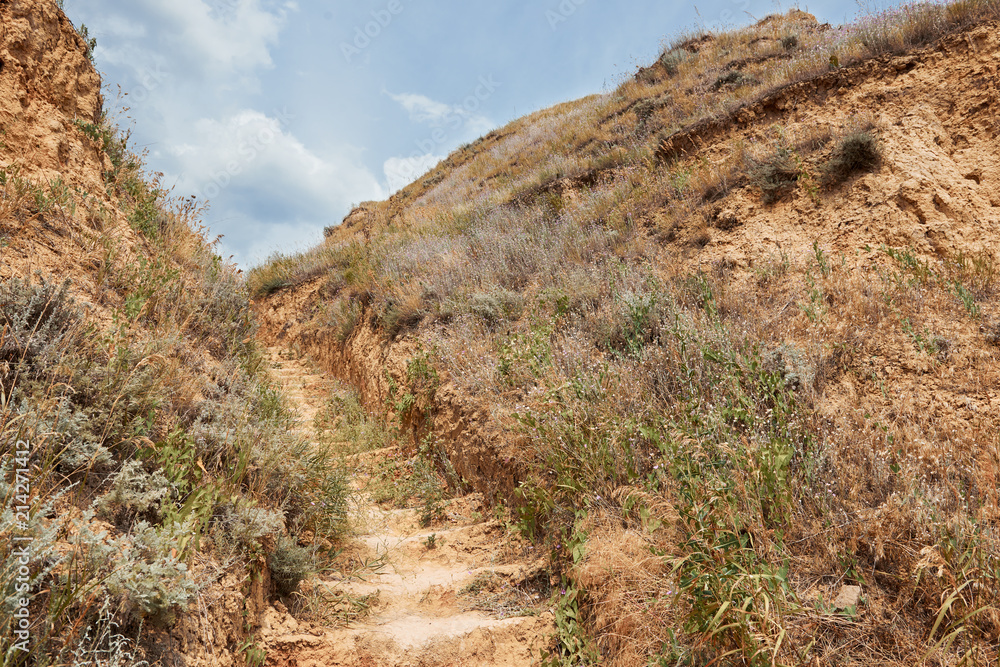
(251, 148)
(422, 108)
(451, 125)
(265, 239)
(401, 171)
(257, 174)
(213, 40)
(236, 39)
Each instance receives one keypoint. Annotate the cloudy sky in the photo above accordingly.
(284, 113)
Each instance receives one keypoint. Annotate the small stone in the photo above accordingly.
(848, 597)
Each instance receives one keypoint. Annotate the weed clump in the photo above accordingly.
(289, 564)
(496, 306)
(136, 492)
(857, 152)
(273, 284)
(672, 60)
(775, 176)
(398, 316)
(645, 113)
(35, 320)
(152, 578)
(733, 79)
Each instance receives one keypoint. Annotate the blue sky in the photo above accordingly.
(282, 113)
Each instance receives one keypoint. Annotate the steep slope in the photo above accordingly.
(723, 340)
(47, 83)
(152, 493)
(46, 86)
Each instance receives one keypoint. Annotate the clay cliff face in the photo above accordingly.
(46, 82)
(56, 202)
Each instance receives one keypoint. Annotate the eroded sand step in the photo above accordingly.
(419, 614)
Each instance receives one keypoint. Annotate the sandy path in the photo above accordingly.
(411, 579)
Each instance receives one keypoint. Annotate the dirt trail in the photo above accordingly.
(409, 593)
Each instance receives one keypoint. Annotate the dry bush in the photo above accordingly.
(776, 175)
(855, 152)
(630, 588)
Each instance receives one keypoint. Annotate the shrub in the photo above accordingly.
(354, 428)
(636, 324)
(856, 152)
(321, 505)
(241, 528)
(135, 492)
(400, 315)
(34, 320)
(733, 79)
(426, 487)
(496, 306)
(645, 111)
(102, 644)
(789, 42)
(791, 365)
(147, 575)
(89, 43)
(775, 176)
(344, 317)
(273, 284)
(289, 564)
(672, 59)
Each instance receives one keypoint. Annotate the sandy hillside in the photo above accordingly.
(560, 271)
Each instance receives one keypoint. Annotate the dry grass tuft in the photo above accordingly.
(856, 152)
(775, 175)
